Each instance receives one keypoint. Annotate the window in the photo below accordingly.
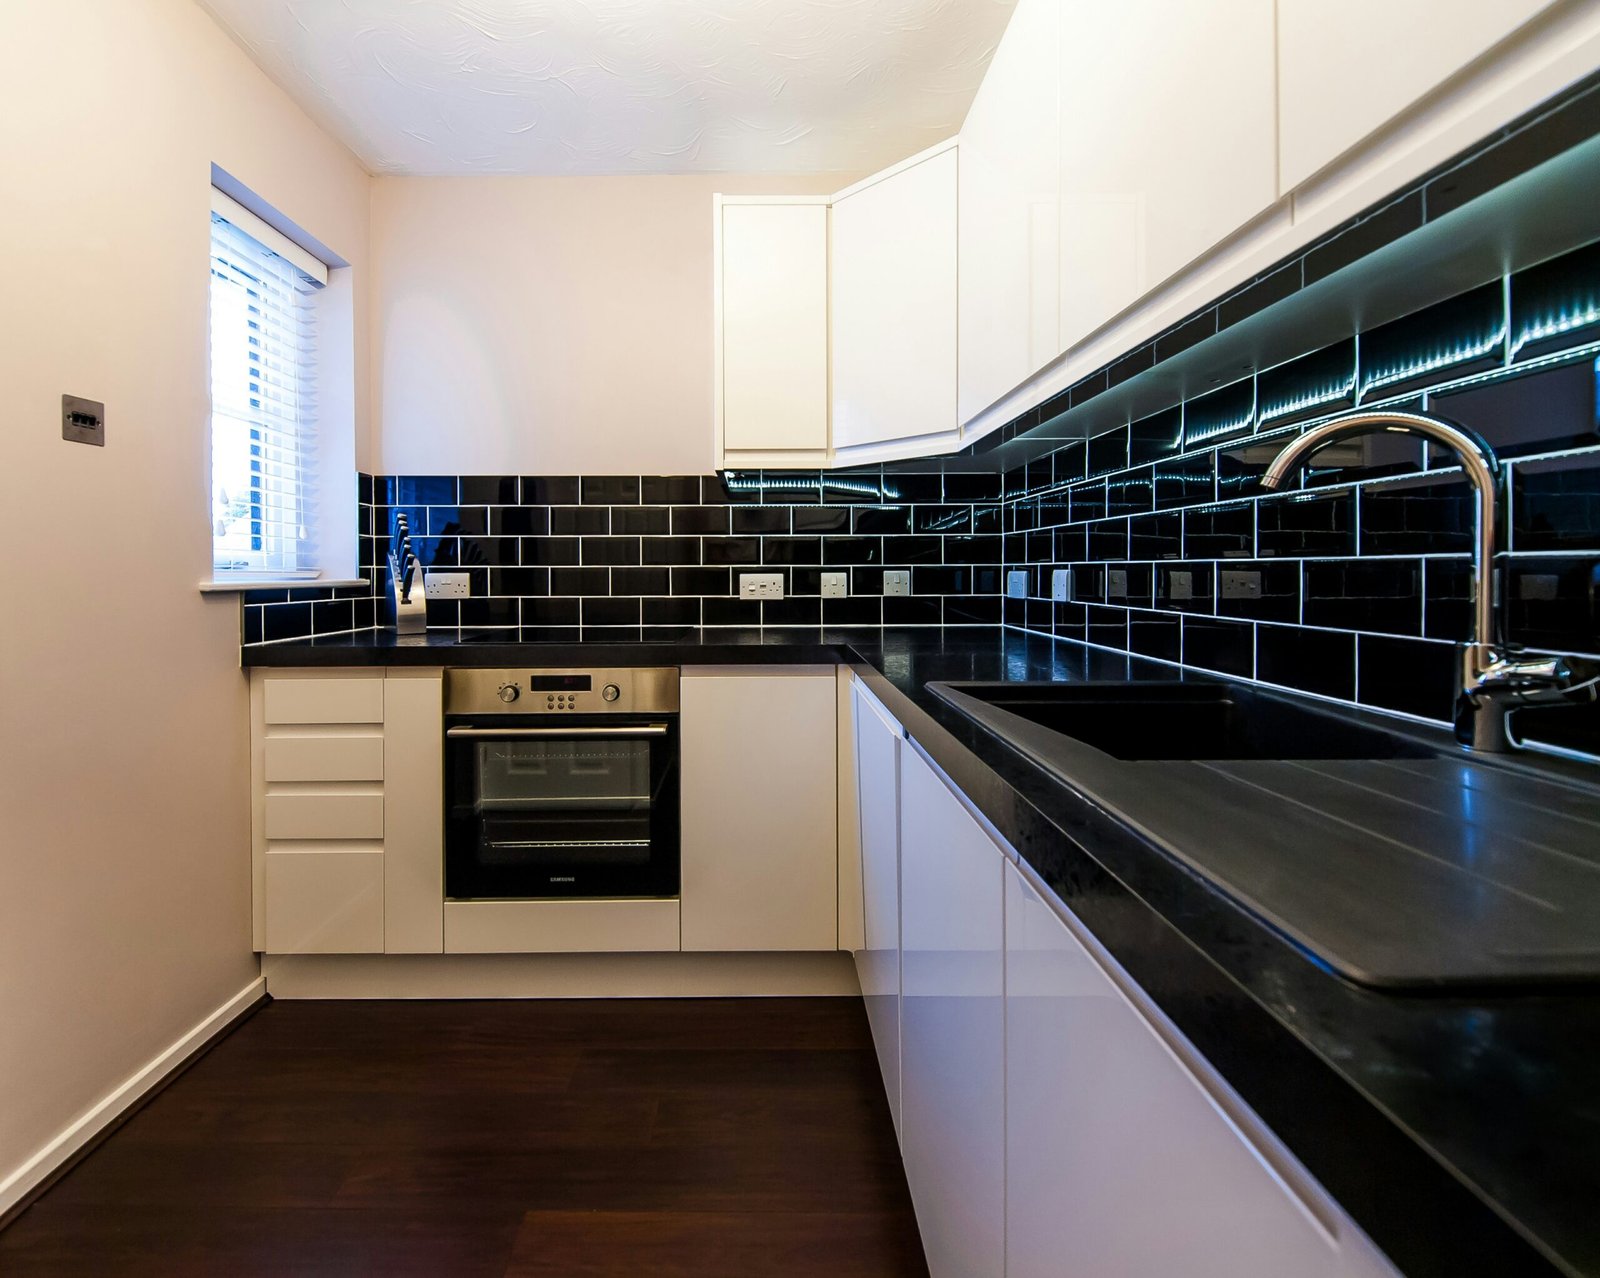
(264, 445)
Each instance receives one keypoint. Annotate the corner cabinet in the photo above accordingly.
(893, 310)
(346, 813)
(835, 321)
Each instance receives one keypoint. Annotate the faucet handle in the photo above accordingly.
(1509, 681)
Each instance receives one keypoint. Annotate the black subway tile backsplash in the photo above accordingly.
(1220, 415)
(1555, 504)
(1431, 516)
(1156, 437)
(1355, 582)
(1319, 661)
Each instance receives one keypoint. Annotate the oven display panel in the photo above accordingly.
(559, 683)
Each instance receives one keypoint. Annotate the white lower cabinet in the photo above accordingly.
(347, 828)
(759, 792)
(878, 741)
(952, 1028)
(324, 902)
(1119, 1161)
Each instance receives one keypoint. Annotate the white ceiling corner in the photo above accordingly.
(625, 86)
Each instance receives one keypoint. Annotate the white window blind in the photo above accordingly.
(263, 403)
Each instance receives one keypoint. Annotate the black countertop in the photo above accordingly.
(1460, 1129)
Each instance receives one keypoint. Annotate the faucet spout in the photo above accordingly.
(1482, 470)
(1489, 684)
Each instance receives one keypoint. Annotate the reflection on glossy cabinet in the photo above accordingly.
(1009, 230)
(759, 788)
(951, 1025)
(324, 902)
(1168, 143)
(893, 304)
(1116, 1155)
(877, 749)
(772, 326)
(1348, 68)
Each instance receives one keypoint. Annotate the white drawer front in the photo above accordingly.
(559, 927)
(324, 902)
(323, 700)
(324, 758)
(324, 816)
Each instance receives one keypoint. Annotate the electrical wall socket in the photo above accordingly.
(835, 585)
(897, 581)
(1061, 584)
(1238, 584)
(1017, 583)
(447, 585)
(761, 585)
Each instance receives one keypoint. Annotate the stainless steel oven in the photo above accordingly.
(561, 783)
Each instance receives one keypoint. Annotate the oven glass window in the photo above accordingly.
(563, 802)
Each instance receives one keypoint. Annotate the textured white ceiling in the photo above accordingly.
(625, 86)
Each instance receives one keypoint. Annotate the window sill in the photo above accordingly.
(237, 585)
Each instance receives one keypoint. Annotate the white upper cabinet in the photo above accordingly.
(772, 329)
(1010, 213)
(893, 306)
(1168, 143)
(1348, 68)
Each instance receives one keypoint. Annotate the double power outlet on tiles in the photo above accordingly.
(835, 585)
(447, 585)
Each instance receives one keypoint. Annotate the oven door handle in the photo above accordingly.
(641, 730)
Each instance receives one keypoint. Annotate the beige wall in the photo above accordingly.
(550, 326)
(124, 839)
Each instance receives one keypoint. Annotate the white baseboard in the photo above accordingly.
(61, 1148)
(674, 975)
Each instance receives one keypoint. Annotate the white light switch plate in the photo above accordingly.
(1061, 584)
(447, 585)
(835, 585)
(897, 581)
(761, 585)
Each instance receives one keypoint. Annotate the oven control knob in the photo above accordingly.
(509, 692)
(610, 692)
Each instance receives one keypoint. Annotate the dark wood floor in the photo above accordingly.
(743, 1137)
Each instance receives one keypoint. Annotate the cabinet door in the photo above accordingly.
(760, 832)
(1010, 213)
(413, 812)
(878, 744)
(773, 326)
(951, 1026)
(324, 902)
(1349, 68)
(1118, 1161)
(894, 304)
(1168, 143)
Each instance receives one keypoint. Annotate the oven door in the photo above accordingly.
(584, 808)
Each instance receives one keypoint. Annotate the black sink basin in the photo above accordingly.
(1187, 721)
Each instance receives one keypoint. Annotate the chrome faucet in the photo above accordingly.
(1492, 678)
